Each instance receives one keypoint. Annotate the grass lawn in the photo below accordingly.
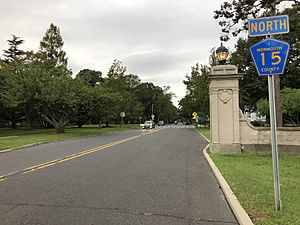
(205, 131)
(10, 138)
(251, 178)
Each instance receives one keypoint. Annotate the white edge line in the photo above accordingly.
(239, 212)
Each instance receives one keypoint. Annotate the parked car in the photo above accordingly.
(149, 125)
(161, 123)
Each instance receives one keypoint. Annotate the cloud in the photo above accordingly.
(158, 40)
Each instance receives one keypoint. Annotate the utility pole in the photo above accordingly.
(152, 109)
(277, 99)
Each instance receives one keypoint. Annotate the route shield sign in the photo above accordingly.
(270, 56)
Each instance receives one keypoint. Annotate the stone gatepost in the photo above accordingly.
(224, 109)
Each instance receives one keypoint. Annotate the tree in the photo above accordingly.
(290, 106)
(197, 98)
(84, 102)
(13, 53)
(291, 77)
(58, 92)
(58, 97)
(22, 91)
(156, 98)
(8, 69)
(131, 106)
(252, 86)
(115, 76)
(105, 105)
(90, 77)
(233, 15)
(51, 51)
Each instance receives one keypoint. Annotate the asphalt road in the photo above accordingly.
(135, 177)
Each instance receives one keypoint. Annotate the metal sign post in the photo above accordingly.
(270, 56)
(122, 115)
(278, 205)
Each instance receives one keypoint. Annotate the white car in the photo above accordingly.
(149, 125)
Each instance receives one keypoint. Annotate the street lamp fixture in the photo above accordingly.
(221, 54)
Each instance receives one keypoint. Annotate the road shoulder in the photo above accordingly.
(239, 212)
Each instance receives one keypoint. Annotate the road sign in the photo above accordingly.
(268, 25)
(194, 115)
(270, 56)
(122, 114)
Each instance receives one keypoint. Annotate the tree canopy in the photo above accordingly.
(233, 15)
(38, 90)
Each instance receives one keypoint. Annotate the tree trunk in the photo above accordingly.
(60, 128)
(58, 124)
(100, 124)
(13, 120)
(106, 123)
(28, 120)
(80, 124)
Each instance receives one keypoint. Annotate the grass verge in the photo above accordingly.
(250, 176)
(10, 139)
(205, 131)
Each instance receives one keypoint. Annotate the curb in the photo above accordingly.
(202, 136)
(237, 209)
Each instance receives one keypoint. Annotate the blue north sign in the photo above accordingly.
(268, 26)
(270, 56)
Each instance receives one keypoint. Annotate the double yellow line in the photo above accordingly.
(73, 156)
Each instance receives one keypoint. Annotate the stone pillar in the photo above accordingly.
(224, 109)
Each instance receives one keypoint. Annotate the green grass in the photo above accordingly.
(205, 131)
(10, 138)
(251, 178)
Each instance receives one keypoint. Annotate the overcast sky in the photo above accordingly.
(158, 40)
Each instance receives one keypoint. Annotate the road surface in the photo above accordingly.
(157, 177)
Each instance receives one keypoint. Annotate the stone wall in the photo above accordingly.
(259, 138)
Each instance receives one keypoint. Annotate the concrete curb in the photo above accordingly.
(239, 212)
(202, 135)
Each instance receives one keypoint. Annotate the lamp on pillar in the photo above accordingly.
(221, 54)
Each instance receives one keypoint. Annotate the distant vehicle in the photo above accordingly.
(161, 123)
(149, 125)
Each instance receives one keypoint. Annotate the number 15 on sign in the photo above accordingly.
(270, 56)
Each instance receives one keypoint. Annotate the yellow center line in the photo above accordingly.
(73, 156)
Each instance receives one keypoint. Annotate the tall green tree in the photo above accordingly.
(13, 59)
(51, 51)
(157, 99)
(58, 93)
(13, 53)
(22, 91)
(197, 98)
